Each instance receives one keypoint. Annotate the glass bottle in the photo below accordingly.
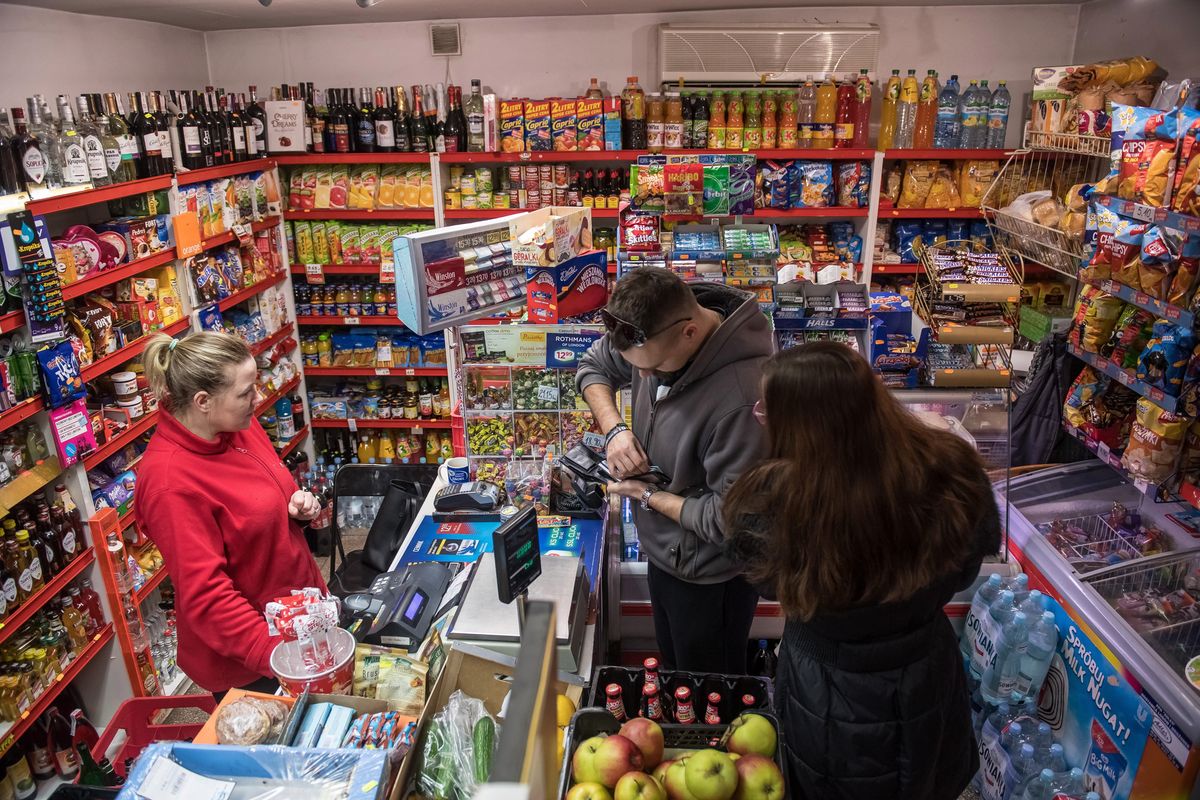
(456, 129)
(716, 121)
(473, 108)
(90, 623)
(418, 130)
(10, 174)
(41, 125)
(163, 124)
(32, 575)
(366, 123)
(116, 554)
(258, 119)
(30, 158)
(73, 623)
(237, 127)
(402, 121)
(118, 128)
(19, 774)
(58, 741)
(385, 123)
(93, 147)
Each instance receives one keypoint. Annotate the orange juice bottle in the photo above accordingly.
(673, 122)
(826, 113)
(887, 116)
(367, 449)
(927, 111)
(716, 121)
(735, 110)
(655, 121)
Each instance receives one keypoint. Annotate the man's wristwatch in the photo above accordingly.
(619, 428)
(646, 495)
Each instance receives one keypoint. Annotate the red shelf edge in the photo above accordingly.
(363, 321)
(103, 194)
(303, 159)
(92, 459)
(947, 154)
(12, 321)
(361, 214)
(34, 604)
(18, 729)
(242, 295)
(272, 340)
(149, 586)
(336, 269)
(111, 276)
(432, 424)
(228, 236)
(274, 397)
(203, 174)
(389, 372)
(21, 412)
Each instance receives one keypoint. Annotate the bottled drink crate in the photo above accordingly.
(730, 687)
(589, 722)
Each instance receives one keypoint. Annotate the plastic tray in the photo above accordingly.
(70, 791)
(589, 722)
(136, 718)
(730, 687)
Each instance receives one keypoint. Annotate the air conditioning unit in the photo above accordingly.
(750, 54)
(444, 39)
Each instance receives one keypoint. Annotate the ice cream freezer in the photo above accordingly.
(1131, 593)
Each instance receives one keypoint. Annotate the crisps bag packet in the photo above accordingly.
(1155, 441)
(1165, 360)
(1085, 387)
(1156, 261)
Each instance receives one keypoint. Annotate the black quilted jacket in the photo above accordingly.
(874, 701)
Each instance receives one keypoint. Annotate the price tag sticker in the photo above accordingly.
(1142, 485)
(1173, 312)
(1108, 287)
(352, 424)
(1102, 450)
(594, 441)
(548, 394)
(387, 271)
(383, 371)
(410, 372)
(243, 233)
(1124, 377)
(351, 321)
(314, 273)
(1102, 364)
(1141, 298)
(1139, 211)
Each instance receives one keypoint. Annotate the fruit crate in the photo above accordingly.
(730, 687)
(589, 722)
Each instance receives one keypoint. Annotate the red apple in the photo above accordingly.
(583, 763)
(588, 791)
(660, 772)
(615, 756)
(648, 737)
(759, 778)
(638, 786)
(676, 783)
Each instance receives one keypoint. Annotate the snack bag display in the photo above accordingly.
(918, 180)
(1156, 262)
(812, 184)
(1155, 441)
(1183, 286)
(1185, 196)
(1164, 361)
(1124, 252)
(854, 184)
(1108, 416)
(1129, 338)
(1085, 387)
(1103, 224)
(1098, 322)
(943, 193)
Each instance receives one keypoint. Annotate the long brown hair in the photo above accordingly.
(859, 501)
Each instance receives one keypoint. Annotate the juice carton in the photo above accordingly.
(612, 123)
(368, 185)
(333, 235)
(339, 193)
(425, 187)
(295, 187)
(351, 249)
(387, 187)
(320, 243)
(589, 123)
(323, 188)
(512, 126)
(537, 125)
(562, 125)
(368, 243)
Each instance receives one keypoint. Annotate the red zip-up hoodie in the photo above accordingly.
(218, 512)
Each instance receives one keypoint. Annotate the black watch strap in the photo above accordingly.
(620, 427)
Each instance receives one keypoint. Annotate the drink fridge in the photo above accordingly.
(1119, 682)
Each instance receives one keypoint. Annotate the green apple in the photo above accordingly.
(588, 791)
(711, 775)
(660, 772)
(583, 763)
(615, 756)
(759, 778)
(676, 781)
(752, 735)
(648, 737)
(638, 786)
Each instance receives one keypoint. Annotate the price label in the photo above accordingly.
(314, 273)
(1139, 211)
(1102, 364)
(1102, 450)
(351, 321)
(1124, 377)
(410, 372)
(1173, 312)
(1142, 485)
(1141, 298)
(548, 394)
(1108, 286)
(243, 233)
(387, 271)
(383, 371)
(352, 424)
(594, 441)
(1157, 395)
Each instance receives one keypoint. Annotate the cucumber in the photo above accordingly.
(437, 769)
(484, 745)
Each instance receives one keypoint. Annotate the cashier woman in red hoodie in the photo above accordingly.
(225, 512)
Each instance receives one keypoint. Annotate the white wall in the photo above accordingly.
(1164, 30)
(57, 52)
(556, 55)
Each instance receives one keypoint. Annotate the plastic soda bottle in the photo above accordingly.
(825, 114)
(1039, 787)
(887, 117)
(980, 604)
(806, 109)
(1001, 678)
(862, 110)
(997, 126)
(843, 132)
(926, 112)
(948, 127)
(906, 110)
(716, 121)
(966, 114)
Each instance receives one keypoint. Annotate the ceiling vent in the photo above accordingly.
(750, 54)
(444, 39)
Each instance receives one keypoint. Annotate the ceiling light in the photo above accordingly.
(366, 3)
(264, 3)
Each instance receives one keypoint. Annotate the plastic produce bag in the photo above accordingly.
(458, 749)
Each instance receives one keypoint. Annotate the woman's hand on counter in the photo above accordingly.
(303, 506)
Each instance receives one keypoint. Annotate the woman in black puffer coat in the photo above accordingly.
(863, 523)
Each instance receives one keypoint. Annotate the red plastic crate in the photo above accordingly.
(136, 718)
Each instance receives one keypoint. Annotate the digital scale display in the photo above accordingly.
(518, 554)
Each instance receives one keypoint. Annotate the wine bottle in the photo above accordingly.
(163, 124)
(191, 151)
(58, 742)
(455, 130)
(237, 126)
(366, 123)
(10, 176)
(418, 130)
(118, 127)
(248, 129)
(385, 124)
(402, 122)
(258, 118)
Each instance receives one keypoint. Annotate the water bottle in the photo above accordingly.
(1039, 787)
(1018, 585)
(1068, 783)
(983, 104)
(1000, 679)
(948, 127)
(1057, 763)
(993, 725)
(1043, 740)
(1012, 737)
(966, 114)
(998, 116)
(1024, 768)
(1033, 606)
(999, 614)
(1039, 652)
(979, 605)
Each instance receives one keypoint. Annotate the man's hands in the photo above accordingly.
(626, 456)
(303, 506)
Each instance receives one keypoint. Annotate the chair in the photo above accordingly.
(382, 500)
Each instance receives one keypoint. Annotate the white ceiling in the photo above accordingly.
(213, 15)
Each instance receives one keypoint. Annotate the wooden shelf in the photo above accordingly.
(34, 603)
(88, 197)
(431, 424)
(118, 442)
(228, 236)
(272, 340)
(362, 214)
(301, 159)
(386, 372)
(930, 213)
(242, 295)
(275, 396)
(340, 269)
(21, 412)
(260, 164)
(12, 321)
(948, 154)
(16, 730)
(291, 446)
(371, 320)
(111, 276)
(129, 351)
(28, 482)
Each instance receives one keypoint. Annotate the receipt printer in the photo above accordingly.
(398, 607)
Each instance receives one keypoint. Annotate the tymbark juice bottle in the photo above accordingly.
(825, 115)
(887, 117)
(716, 121)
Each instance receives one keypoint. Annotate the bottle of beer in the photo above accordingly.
(651, 703)
(712, 714)
(614, 703)
(684, 713)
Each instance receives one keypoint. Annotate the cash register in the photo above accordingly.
(398, 608)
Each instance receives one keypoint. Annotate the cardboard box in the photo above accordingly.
(589, 123)
(550, 235)
(285, 126)
(612, 123)
(512, 126)
(562, 125)
(574, 287)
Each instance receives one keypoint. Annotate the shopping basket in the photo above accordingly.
(135, 718)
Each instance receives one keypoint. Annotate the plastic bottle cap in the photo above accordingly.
(632, 79)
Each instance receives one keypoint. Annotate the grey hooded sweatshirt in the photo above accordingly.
(700, 430)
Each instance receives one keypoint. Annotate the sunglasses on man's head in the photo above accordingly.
(630, 332)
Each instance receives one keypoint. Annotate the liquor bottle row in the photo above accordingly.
(98, 140)
(37, 542)
(58, 745)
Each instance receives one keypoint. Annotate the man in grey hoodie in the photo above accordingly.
(692, 356)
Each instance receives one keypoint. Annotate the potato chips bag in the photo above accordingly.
(1155, 441)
